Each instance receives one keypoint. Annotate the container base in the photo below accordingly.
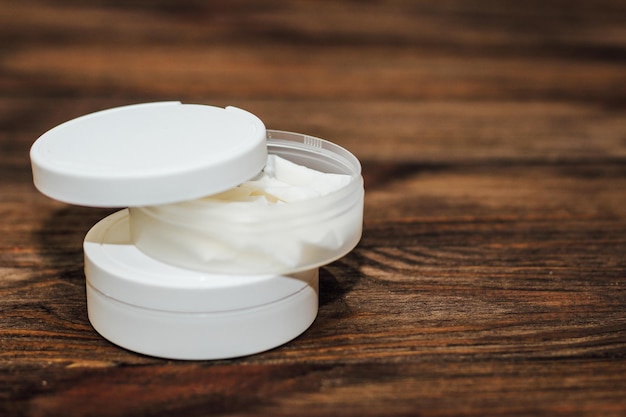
(198, 336)
(156, 309)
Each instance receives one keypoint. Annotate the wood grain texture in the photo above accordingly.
(491, 277)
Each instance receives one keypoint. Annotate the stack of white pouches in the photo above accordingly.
(183, 274)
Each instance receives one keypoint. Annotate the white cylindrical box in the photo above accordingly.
(176, 275)
(144, 305)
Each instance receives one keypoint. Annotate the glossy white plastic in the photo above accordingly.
(148, 154)
(144, 305)
(154, 283)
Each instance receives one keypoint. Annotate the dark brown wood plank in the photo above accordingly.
(548, 387)
(430, 133)
(359, 74)
(400, 50)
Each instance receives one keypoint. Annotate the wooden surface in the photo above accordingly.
(491, 277)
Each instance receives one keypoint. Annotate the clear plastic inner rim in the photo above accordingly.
(233, 238)
(287, 143)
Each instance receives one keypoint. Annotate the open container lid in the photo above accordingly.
(148, 154)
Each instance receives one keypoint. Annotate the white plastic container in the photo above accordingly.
(154, 282)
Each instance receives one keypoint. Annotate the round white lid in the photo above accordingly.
(148, 154)
(118, 269)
